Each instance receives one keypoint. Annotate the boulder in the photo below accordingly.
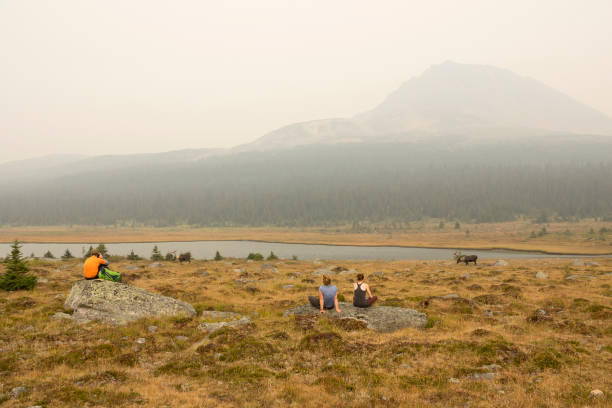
(541, 275)
(378, 318)
(578, 262)
(118, 303)
(156, 265)
(500, 262)
(323, 271)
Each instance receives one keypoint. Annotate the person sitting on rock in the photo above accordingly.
(360, 288)
(94, 265)
(328, 296)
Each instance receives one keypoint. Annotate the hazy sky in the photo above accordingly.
(127, 76)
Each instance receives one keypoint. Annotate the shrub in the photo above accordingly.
(132, 256)
(254, 256)
(218, 256)
(48, 254)
(170, 256)
(16, 276)
(457, 225)
(67, 255)
(272, 257)
(156, 255)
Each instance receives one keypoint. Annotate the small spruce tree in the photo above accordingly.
(132, 256)
(88, 253)
(457, 225)
(102, 250)
(156, 255)
(218, 256)
(67, 255)
(272, 257)
(48, 254)
(16, 276)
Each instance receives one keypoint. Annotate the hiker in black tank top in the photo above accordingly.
(360, 289)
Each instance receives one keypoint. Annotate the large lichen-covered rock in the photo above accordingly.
(378, 318)
(118, 303)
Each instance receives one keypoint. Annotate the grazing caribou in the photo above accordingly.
(466, 258)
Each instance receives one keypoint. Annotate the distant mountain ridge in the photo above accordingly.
(452, 99)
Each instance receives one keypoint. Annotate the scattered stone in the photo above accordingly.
(591, 263)
(475, 287)
(450, 296)
(42, 280)
(500, 262)
(349, 272)
(18, 391)
(578, 262)
(490, 367)
(580, 277)
(136, 267)
(62, 316)
(204, 274)
(378, 274)
(378, 318)
(323, 271)
(228, 319)
(483, 376)
(59, 296)
(181, 338)
(270, 267)
(453, 380)
(118, 303)
(141, 340)
(596, 394)
(156, 265)
(152, 329)
(541, 275)
(35, 406)
(287, 287)
(465, 276)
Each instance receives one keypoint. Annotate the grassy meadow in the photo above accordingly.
(489, 346)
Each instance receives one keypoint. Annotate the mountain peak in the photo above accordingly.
(452, 98)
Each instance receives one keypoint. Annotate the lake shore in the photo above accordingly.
(559, 239)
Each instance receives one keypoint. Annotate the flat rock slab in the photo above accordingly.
(118, 303)
(379, 318)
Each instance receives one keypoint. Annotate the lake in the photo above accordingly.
(240, 249)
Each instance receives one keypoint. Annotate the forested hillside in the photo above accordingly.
(326, 185)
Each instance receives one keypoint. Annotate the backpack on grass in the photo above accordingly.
(109, 275)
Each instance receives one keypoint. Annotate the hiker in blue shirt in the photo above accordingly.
(328, 296)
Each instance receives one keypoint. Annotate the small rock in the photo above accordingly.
(465, 276)
(42, 280)
(125, 338)
(323, 271)
(204, 274)
(450, 296)
(483, 376)
(488, 313)
(18, 391)
(62, 315)
(592, 263)
(378, 274)
(596, 394)
(59, 296)
(156, 265)
(541, 312)
(491, 367)
(152, 329)
(577, 277)
(287, 287)
(141, 340)
(269, 267)
(136, 267)
(500, 262)
(453, 380)
(578, 262)
(181, 338)
(541, 275)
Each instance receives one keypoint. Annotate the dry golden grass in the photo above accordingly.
(549, 361)
(561, 237)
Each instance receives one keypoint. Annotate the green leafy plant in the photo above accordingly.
(255, 256)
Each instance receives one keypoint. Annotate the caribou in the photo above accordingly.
(466, 258)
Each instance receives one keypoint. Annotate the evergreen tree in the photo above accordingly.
(16, 276)
(457, 225)
(88, 253)
(132, 256)
(48, 254)
(218, 257)
(67, 254)
(102, 250)
(156, 255)
(272, 257)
